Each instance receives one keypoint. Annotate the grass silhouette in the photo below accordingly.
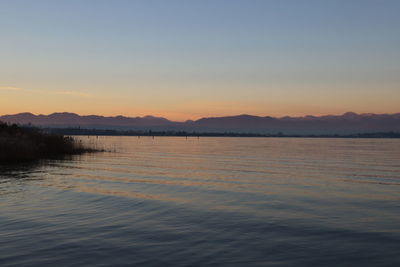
(25, 144)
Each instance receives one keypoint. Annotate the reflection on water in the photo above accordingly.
(208, 201)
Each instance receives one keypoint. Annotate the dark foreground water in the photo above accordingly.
(172, 201)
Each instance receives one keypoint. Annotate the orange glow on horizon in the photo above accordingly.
(17, 100)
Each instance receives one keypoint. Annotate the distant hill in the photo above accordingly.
(348, 123)
(72, 119)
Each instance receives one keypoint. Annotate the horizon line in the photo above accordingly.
(222, 116)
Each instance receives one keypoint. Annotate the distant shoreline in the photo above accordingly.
(105, 132)
(349, 124)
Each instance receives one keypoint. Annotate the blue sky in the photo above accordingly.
(188, 59)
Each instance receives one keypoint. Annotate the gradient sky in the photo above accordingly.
(188, 59)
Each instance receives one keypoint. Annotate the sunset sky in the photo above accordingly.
(189, 59)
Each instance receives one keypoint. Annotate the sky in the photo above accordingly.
(186, 59)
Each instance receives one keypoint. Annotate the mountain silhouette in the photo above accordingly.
(347, 123)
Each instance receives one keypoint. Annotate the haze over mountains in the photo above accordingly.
(348, 123)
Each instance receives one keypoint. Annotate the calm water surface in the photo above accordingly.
(172, 201)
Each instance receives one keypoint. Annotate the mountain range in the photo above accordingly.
(347, 123)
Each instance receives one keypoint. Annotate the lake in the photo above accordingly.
(172, 201)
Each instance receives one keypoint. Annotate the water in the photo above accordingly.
(171, 201)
